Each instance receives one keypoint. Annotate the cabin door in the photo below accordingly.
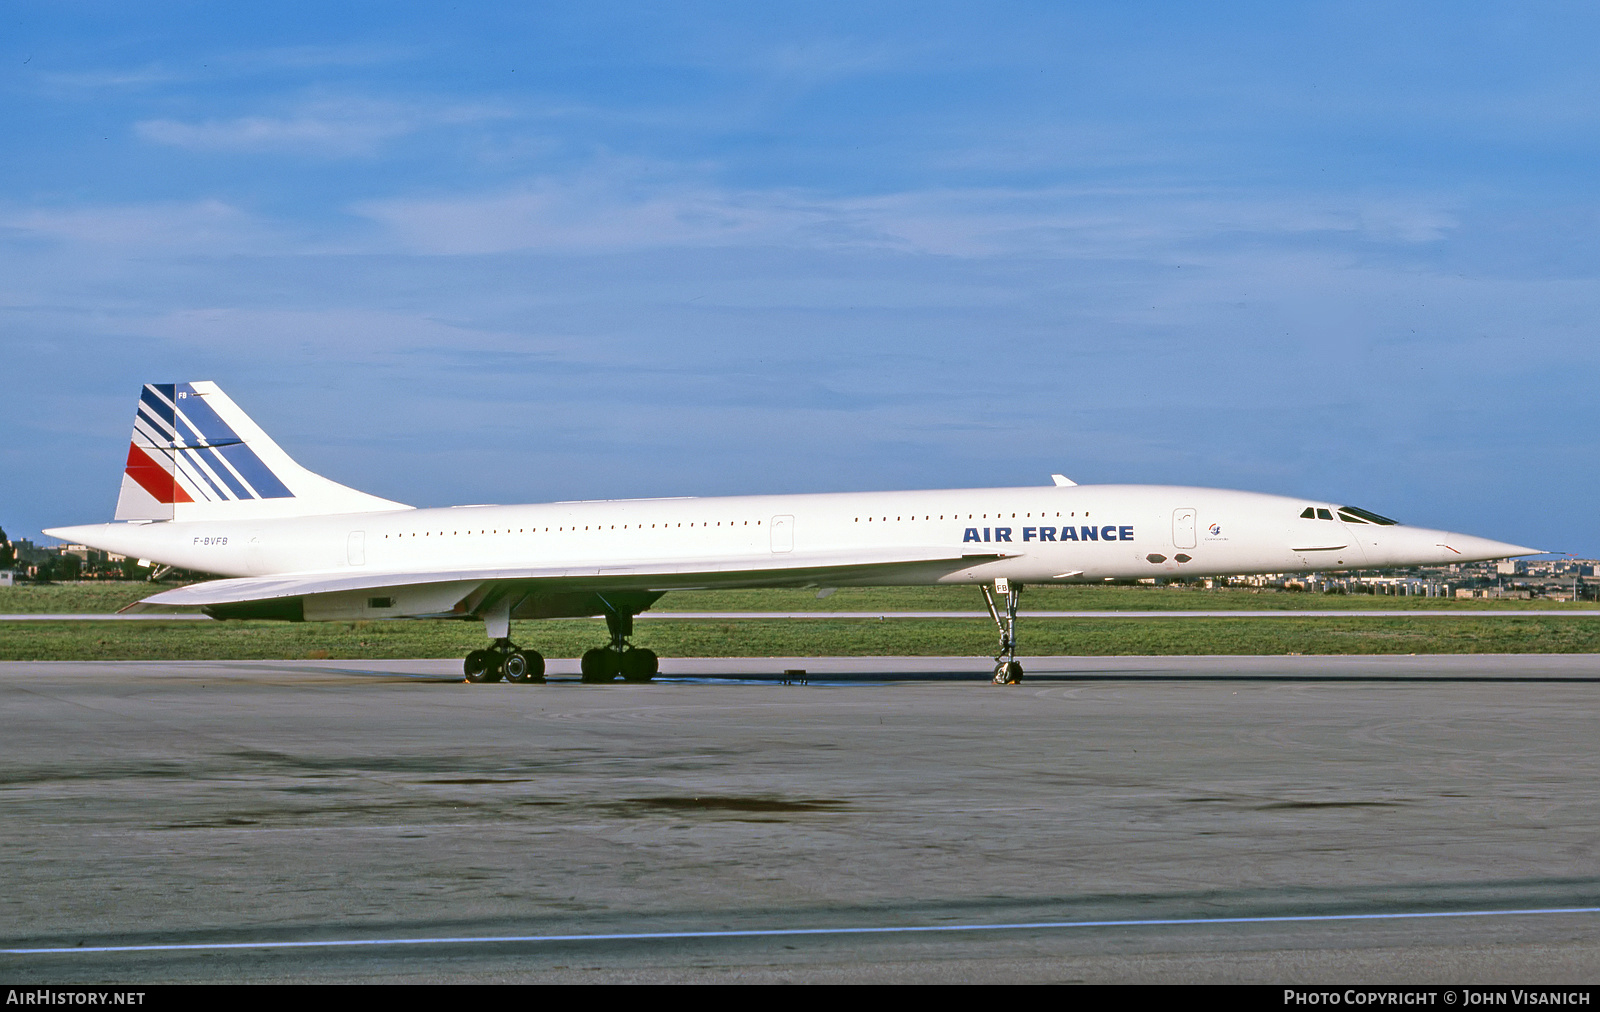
(783, 534)
(1183, 528)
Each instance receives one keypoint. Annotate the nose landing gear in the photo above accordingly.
(1004, 612)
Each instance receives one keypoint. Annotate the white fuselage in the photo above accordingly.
(1070, 534)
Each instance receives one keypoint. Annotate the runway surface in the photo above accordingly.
(1229, 806)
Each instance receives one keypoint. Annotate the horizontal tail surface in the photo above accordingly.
(195, 455)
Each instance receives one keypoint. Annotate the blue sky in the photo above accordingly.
(522, 252)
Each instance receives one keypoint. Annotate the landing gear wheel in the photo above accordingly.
(524, 666)
(599, 665)
(482, 666)
(1002, 600)
(1007, 673)
(639, 665)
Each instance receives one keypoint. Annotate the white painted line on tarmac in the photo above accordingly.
(641, 936)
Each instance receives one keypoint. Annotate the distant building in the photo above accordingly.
(30, 553)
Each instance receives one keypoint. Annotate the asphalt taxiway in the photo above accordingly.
(218, 803)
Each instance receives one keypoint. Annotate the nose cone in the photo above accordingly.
(1403, 545)
(72, 534)
(1470, 549)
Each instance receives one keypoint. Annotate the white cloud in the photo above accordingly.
(1098, 222)
(588, 216)
(204, 226)
(627, 207)
(826, 60)
(335, 333)
(320, 56)
(295, 59)
(621, 209)
(260, 133)
(95, 80)
(337, 128)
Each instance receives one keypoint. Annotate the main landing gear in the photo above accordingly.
(505, 660)
(1002, 601)
(604, 664)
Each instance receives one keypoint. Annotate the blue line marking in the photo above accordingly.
(254, 470)
(155, 396)
(221, 467)
(637, 936)
(195, 438)
(192, 468)
(164, 429)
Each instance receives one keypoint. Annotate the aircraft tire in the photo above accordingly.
(640, 665)
(1007, 673)
(481, 666)
(598, 665)
(524, 667)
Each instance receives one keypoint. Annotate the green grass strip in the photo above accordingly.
(810, 638)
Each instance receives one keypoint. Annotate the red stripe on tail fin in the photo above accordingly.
(154, 478)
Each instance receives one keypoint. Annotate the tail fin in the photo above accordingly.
(196, 456)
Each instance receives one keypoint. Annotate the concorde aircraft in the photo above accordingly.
(206, 489)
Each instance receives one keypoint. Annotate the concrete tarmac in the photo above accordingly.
(248, 801)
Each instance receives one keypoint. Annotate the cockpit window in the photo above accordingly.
(1323, 514)
(1357, 515)
(1309, 514)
